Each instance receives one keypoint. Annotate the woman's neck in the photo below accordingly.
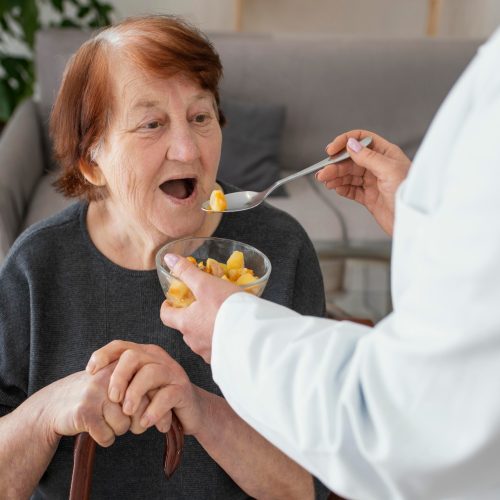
(129, 246)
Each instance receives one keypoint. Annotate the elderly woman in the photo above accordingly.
(137, 130)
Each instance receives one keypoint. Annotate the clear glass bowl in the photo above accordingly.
(219, 249)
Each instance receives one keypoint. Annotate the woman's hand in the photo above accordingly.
(370, 177)
(148, 372)
(79, 403)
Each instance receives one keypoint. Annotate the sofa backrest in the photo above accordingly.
(328, 84)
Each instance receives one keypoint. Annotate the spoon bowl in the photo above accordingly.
(244, 200)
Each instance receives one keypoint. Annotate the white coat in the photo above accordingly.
(409, 409)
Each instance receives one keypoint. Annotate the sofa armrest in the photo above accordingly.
(21, 166)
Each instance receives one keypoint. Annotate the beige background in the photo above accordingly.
(469, 18)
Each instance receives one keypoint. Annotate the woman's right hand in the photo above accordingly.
(371, 176)
(79, 403)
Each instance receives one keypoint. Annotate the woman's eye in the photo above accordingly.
(201, 118)
(152, 125)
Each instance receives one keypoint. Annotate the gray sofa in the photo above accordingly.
(328, 84)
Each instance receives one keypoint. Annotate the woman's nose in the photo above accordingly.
(182, 145)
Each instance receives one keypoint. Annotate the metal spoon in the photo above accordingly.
(244, 200)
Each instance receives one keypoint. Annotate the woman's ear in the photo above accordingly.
(92, 172)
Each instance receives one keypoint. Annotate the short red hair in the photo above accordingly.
(161, 45)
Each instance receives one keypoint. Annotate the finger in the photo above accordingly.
(128, 365)
(340, 142)
(368, 158)
(115, 418)
(350, 192)
(163, 425)
(193, 277)
(100, 431)
(161, 405)
(149, 377)
(347, 167)
(173, 316)
(107, 354)
(135, 426)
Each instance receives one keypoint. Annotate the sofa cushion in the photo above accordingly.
(251, 144)
(332, 230)
(45, 201)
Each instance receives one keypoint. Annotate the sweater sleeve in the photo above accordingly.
(14, 335)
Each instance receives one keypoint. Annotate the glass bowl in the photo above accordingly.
(201, 249)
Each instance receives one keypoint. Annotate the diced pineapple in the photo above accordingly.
(234, 274)
(218, 201)
(214, 267)
(179, 295)
(178, 289)
(236, 260)
(246, 278)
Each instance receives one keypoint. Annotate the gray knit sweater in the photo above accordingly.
(61, 299)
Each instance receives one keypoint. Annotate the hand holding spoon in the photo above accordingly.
(244, 200)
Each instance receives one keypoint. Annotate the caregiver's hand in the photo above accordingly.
(79, 403)
(147, 372)
(196, 322)
(370, 177)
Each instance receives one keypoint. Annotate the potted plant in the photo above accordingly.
(19, 22)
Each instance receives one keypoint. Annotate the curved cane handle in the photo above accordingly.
(84, 454)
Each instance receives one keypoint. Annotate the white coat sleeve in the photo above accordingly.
(409, 409)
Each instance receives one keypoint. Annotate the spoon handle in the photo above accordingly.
(341, 156)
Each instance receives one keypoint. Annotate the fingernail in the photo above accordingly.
(354, 145)
(114, 394)
(145, 421)
(171, 259)
(90, 367)
(128, 408)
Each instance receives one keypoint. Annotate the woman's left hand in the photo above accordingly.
(147, 372)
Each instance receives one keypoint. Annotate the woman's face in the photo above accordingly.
(161, 153)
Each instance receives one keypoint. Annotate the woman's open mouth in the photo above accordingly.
(180, 189)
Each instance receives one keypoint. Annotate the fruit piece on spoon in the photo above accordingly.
(218, 201)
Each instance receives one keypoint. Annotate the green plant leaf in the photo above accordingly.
(58, 5)
(5, 102)
(68, 23)
(28, 21)
(20, 19)
(83, 11)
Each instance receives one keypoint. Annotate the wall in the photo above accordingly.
(213, 15)
(477, 18)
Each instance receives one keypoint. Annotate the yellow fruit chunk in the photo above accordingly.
(218, 201)
(234, 274)
(246, 278)
(236, 260)
(215, 268)
(192, 260)
(179, 295)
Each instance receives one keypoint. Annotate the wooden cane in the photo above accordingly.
(84, 455)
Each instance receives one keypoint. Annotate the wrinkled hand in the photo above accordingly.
(79, 403)
(147, 372)
(371, 176)
(196, 322)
